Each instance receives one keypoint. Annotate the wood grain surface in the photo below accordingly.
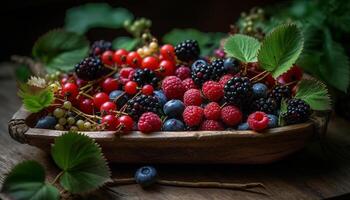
(319, 171)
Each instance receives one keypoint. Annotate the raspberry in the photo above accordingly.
(192, 97)
(187, 50)
(211, 125)
(183, 72)
(189, 84)
(231, 115)
(193, 115)
(173, 87)
(223, 80)
(149, 122)
(258, 121)
(212, 111)
(213, 90)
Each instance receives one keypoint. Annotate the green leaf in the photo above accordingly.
(60, 50)
(242, 47)
(315, 93)
(26, 181)
(23, 73)
(95, 15)
(207, 41)
(280, 49)
(35, 101)
(81, 160)
(127, 43)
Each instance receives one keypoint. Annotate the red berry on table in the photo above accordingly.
(223, 80)
(214, 91)
(149, 122)
(211, 125)
(147, 89)
(189, 84)
(107, 108)
(86, 106)
(119, 57)
(192, 97)
(173, 88)
(150, 62)
(183, 72)
(126, 74)
(107, 58)
(193, 115)
(127, 122)
(166, 68)
(231, 115)
(258, 121)
(212, 111)
(110, 84)
(99, 99)
(167, 51)
(70, 90)
(130, 87)
(133, 59)
(110, 121)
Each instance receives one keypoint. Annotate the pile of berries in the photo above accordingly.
(170, 88)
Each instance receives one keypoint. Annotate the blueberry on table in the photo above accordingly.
(173, 125)
(244, 126)
(159, 94)
(174, 108)
(47, 122)
(260, 90)
(146, 176)
(273, 121)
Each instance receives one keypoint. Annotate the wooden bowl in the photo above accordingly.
(238, 147)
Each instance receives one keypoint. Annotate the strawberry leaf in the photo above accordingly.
(242, 47)
(315, 93)
(127, 43)
(34, 100)
(27, 181)
(280, 49)
(81, 160)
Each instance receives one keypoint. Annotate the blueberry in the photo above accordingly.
(121, 99)
(273, 121)
(146, 176)
(198, 63)
(260, 90)
(231, 65)
(159, 94)
(47, 122)
(244, 126)
(173, 125)
(173, 108)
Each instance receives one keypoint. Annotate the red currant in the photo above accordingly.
(133, 59)
(99, 99)
(130, 87)
(150, 62)
(108, 108)
(166, 68)
(107, 58)
(110, 121)
(167, 51)
(86, 106)
(120, 56)
(64, 80)
(127, 122)
(70, 90)
(110, 84)
(147, 89)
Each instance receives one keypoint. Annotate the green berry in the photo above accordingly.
(74, 128)
(67, 105)
(87, 125)
(80, 124)
(58, 112)
(71, 120)
(62, 121)
(59, 127)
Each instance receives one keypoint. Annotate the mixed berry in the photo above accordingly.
(171, 88)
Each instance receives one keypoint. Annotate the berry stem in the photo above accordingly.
(258, 75)
(261, 78)
(57, 178)
(84, 94)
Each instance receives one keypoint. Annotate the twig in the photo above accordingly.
(57, 177)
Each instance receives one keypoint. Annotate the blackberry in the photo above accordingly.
(280, 92)
(202, 71)
(187, 50)
(238, 91)
(266, 105)
(298, 111)
(145, 76)
(141, 104)
(100, 46)
(90, 68)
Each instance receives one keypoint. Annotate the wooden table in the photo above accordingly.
(317, 172)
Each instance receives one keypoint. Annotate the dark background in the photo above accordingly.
(24, 21)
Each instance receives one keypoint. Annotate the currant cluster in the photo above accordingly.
(170, 88)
